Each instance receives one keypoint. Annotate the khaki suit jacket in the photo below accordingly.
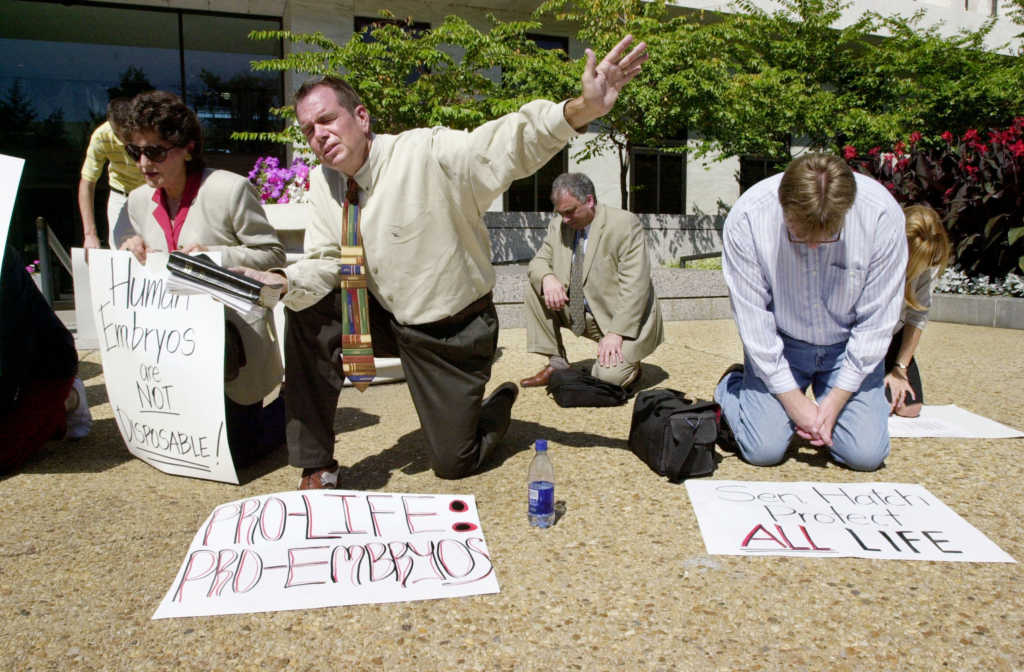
(616, 277)
(226, 217)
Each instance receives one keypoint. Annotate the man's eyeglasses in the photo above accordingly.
(154, 153)
(804, 241)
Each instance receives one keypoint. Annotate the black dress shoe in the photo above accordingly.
(726, 439)
(732, 368)
(540, 379)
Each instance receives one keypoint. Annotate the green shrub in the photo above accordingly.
(976, 184)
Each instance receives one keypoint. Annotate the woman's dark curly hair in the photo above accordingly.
(165, 114)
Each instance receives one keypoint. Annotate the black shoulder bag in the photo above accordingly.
(673, 435)
(572, 387)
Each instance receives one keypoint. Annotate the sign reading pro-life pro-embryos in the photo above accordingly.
(163, 361)
(891, 521)
(323, 548)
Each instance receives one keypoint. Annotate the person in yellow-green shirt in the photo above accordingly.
(105, 145)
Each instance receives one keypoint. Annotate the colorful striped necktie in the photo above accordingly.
(356, 346)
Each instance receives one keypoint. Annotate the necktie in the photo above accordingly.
(576, 286)
(356, 346)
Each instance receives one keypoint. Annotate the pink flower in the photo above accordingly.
(948, 137)
(1017, 148)
(970, 135)
(899, 148)
(915, 138)
(874, 151)
(849, 152)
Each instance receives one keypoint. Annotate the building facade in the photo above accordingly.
(62, 61)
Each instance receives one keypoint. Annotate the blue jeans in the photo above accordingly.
(763, 430)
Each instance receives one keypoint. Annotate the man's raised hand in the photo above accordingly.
(602, 82)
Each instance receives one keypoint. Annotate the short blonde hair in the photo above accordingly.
(815, 193)
(928, 246)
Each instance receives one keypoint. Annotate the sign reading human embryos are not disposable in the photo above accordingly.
(892, 521)
(322, 548)
(163, 362)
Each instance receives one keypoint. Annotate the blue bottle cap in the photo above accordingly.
(541, 445)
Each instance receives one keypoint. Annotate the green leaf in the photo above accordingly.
(1014, 234)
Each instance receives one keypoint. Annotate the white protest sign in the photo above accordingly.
(325, 548)
(85, 324)
(10, 177)
(163, 361)
(949, 422)
(891, 521)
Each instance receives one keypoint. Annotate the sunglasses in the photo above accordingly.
(154, 153)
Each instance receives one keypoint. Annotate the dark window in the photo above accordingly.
(224, 91)
(550, 42)
(657, 181)
(364, 26)
(62, 63)
(533, 193)
(754, 168)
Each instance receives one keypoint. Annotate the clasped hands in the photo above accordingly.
(814, 421)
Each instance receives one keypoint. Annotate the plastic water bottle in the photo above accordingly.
(541, 482)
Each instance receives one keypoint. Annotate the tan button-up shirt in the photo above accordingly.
(423, 196)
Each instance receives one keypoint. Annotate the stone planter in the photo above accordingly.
(290, 221)
(1006, 312)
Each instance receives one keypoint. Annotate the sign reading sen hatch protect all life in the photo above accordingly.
(890, 521)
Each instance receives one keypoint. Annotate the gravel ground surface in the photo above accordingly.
(92, 538)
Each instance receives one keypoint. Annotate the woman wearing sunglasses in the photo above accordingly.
(185, 206)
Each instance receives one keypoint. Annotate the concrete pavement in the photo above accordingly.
(92, 538)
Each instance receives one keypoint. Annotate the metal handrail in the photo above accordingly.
(47, 240)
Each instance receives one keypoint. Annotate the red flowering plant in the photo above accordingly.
(976, 183)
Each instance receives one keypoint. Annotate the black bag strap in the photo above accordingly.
(702, 405)
(677, 458)
(684, 440)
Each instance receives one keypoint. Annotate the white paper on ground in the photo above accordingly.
(885, 521)
(325, 548)
(949, 422)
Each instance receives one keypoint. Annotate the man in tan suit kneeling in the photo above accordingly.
(602, 251)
